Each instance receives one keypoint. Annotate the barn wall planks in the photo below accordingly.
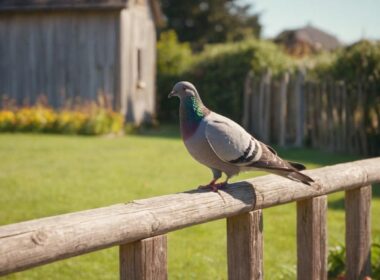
(58, 54)
(138, 37)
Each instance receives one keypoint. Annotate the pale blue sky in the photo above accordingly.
(349, 20)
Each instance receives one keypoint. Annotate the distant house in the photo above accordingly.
(66, 49)
(307, 40)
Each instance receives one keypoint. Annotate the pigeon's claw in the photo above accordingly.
(208, 185)
(213, 185)
(216, 187)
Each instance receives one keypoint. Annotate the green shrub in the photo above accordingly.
(218, 72)
(173, 58)
(336, 261)
(359, 62)
(319, 65)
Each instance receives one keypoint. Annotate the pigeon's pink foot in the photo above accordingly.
(208, 185)
(214, 186)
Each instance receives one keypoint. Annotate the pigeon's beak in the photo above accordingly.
(171, 94)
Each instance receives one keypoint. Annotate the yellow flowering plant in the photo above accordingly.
(89, 119)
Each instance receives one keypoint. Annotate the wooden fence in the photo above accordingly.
(139, 227)
(294, 111)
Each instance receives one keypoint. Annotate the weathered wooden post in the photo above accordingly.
(254, 104)
(344, 117)
(264, 106)
(267, 107)
(144, 260)
(283, 105)
(248, 88)
(300, 108)
(358, 233)
(312, 239)
(260, 108)
(245, 246)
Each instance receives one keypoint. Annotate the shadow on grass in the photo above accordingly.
(170, 131)
(376, 190)
(337, 204)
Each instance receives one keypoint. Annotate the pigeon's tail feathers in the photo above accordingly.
(297, 165)
(291, 174)
(299, 177)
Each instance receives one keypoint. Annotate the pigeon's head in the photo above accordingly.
(183, 89)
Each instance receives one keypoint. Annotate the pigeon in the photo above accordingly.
(223, 145)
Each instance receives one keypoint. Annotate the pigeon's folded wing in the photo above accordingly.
(230, 142)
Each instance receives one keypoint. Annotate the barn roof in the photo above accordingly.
(311, 35)
(17, 5)
(38, 5)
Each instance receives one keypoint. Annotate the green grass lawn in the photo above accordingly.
(45, 175)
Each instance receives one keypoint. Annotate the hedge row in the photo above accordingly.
(218, 71)
(90, 120)
(359, 62)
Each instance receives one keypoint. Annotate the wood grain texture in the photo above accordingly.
(245, 246)
(144, 260)
(358, 232)
(312, 239)
(41, 241)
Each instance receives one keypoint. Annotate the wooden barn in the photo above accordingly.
(78, 49)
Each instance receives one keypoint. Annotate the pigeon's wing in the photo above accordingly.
(270, 160)
(270, 149)
(230, 142)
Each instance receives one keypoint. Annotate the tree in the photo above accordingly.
(200, 22)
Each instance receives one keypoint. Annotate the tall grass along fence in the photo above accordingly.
(332, 115)
(139, 227)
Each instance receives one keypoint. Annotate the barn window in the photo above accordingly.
(140, 81)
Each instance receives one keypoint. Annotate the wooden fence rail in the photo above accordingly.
(332, 115)
(139, 226)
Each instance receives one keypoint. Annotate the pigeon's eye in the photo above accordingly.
(185, 88)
